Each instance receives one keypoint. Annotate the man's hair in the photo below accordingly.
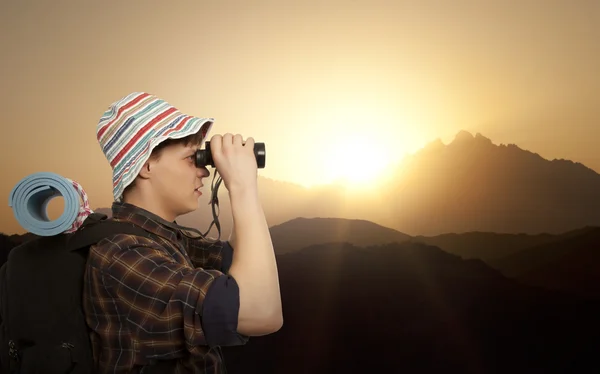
(190, 140)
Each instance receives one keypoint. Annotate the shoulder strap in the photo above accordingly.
(97, 227)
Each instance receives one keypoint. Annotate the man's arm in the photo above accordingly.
(232, 238)
(254, 265)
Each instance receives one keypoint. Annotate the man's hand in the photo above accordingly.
(235, 161)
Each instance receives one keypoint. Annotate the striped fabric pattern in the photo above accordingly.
(131, 127)
(84, 207)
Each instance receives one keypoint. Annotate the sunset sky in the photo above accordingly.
(362, 83)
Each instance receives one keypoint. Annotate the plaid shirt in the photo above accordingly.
(167, 297)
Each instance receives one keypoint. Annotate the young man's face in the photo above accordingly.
(175, 179)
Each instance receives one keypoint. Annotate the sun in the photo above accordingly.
(356, 161)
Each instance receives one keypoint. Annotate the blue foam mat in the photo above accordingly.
(29, 200)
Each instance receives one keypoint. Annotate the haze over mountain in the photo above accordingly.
(472, 184)
(469, 185)
(304, 232)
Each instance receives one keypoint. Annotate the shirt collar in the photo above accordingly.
(145, 219)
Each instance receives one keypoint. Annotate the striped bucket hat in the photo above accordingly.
(132, 126)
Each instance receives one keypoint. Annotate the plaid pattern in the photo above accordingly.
(142, 297)
(131, 127)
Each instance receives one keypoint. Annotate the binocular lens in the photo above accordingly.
(204, 156)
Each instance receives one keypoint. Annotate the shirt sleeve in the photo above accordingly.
(204, 255)
(221, 311)
(164, 300)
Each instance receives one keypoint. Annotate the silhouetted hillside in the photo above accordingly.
(490, 246)
(303, 232)
(577, 271)
(472, 184)
(571, 263)
(539, 256)
(415, 308)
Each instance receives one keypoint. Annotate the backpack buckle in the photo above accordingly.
(13, 352)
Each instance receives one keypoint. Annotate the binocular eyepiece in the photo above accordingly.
(204, 156)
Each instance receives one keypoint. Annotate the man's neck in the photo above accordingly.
(151, 206)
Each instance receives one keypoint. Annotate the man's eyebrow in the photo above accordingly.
(190, 151)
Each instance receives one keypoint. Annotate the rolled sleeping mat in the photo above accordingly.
(29, 200)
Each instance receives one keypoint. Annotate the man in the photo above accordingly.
(164, 303)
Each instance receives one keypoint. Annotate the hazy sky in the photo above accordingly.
(360, 82)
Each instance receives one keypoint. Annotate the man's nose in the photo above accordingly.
(202, 172)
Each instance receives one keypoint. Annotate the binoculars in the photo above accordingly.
(204, 156)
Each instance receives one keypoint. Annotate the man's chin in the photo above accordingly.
(191, 207)
(194, 206)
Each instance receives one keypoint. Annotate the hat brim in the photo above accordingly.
(193, 125)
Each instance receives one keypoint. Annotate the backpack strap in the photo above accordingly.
(96, 227)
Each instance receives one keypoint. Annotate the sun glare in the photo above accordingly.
(356, 162)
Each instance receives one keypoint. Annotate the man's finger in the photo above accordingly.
(250, 142)
(228, 139)
(216, 143)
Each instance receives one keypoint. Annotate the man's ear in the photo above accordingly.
(145, 171)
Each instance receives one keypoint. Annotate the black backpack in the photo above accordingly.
(42, 324)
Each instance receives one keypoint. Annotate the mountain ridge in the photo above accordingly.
(470, 184)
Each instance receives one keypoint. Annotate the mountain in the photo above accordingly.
(415, 308)
(469, 185)
(570, 263)
(472, 184)
(303, 232)
(537, 256)
(489, 246)
(577, 271)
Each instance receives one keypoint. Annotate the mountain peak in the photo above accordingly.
(463, 135)
(480, 137)
(435, 145)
